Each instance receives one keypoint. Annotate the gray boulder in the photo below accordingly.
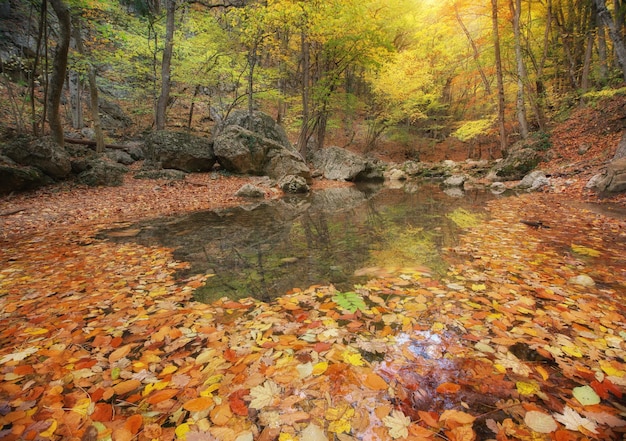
(613, 180)
(241, 151)
(119, 156)
(340, 164)
(455, 181)
(261, 124)
(102, 171)
(42, 153)
(251, 192)
(293, 184)
(521, 159)
(14, 177)
(166, 173)
(534, 181)
(112, 116)
(180, 151)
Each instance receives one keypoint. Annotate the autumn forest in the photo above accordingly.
(496, 312)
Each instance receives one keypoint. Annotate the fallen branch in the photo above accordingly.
(93, 143)
(10, 212)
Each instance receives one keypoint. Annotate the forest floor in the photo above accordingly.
(524, 339)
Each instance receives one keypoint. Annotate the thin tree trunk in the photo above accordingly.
(93, 90)
(499, 74)
(602, 52)
(584, 81)
(252, 60)
(521, 69)
(620, 49)
(59, 69)
(476, 54)
(40, 39)
(303, 139)
(166, 64)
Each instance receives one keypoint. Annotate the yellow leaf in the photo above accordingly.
(527, 388)
(181, 431)
(36, 331)
(50, 430)
(579, 249)
(572, 351)
(353, 358)
(320, 368)
(476, 287)
(543, 372)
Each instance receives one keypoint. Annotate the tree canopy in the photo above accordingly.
(429, 68)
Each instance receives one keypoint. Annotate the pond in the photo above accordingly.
(339, 236)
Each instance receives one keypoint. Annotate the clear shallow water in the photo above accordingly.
(339, 236)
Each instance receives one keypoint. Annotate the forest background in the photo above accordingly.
(400, 75)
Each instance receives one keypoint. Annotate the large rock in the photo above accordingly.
(241, 151)
(262, 124)
(14, 177)
(534, 181)
(42, 153)
(112, 116)
(102, 171)
(180, 151)
(521, 159)
(613, 180)
(340, 164)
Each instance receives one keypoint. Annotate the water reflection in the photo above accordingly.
(266, 249)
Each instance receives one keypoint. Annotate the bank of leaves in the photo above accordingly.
(98, 341)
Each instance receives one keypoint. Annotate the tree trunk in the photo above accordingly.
(166, 64)
(93, 89)
(516, 9)
(252, 60)
(303, 139)
(602, 53)
(59, 69)
(75, 99)
(499, 75)
(620, 49)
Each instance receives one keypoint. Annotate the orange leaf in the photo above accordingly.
(420, 432)
(126, 386)
(220, 415)
(122, 434)
(430, 418)
(161, 395)
(198, 404)
(133, 423)
(119, 353)
(237, 404)
(102, 412)
(375, 382)
(448, 388)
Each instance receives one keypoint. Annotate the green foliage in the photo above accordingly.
(471, 129)
(350, 301)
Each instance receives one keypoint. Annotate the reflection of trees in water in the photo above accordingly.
(268, 249)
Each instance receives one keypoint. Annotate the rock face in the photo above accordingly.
(180, 151)
(112, 115)
(102, 171)
(340, 164)
(613, 180)
(534, 181)
(14, 177)
(293, 184)
(250, 191)
(41, 153)
(522, 158)
(262, 124)
(263, 151)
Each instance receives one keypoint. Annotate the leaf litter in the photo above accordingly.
(99, 342)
